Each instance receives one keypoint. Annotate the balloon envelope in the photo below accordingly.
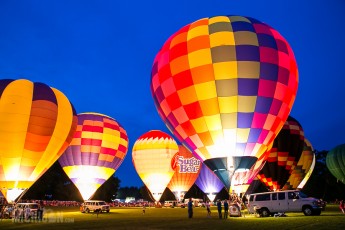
(242, 179)
(335, 161)
(208, 182)
(303, 170)
(284, 155)
(152, 155)
(98, 148)
(187, 169)
(37, 123)
(224, 87)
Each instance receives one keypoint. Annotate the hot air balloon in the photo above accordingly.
(335, 162)
(209, 183)
(303, 170)
(37, 123)
(224, 86)
(284, 155)
(242, 179)
(152, 155)
(187, 169)
(97, 150)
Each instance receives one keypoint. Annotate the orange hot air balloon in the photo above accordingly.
(224, 86)
(187, 169)
(97, 150)
(37, 123)
(151, 155)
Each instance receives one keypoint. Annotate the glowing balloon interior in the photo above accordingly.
(224, 86)
(151, 155)
(242, 179)
(209, 183)
(98, 148)
(37, 123)
(187, 169)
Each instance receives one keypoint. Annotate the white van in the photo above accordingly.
(94, 205)
(270, 203)
(173, 203)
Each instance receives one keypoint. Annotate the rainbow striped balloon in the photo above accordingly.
(98, 148)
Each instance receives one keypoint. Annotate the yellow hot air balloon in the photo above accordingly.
(151, 155)
(37, 123)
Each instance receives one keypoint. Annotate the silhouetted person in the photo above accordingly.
(190, 208)
(219, 208)
(226, 209)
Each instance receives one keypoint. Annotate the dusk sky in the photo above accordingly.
(100, 54)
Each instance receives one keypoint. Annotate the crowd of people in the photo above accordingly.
(54, 203)
(235, 202)
(22, 213)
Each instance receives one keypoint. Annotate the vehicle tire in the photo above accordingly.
(87, 210)
(308, 211)
(264, 212)
(108, 211)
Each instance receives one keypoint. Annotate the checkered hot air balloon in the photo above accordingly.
(97, 150)
(283, 157)
(37, 123)
(152, 155)
(224, 86)
(242, 179)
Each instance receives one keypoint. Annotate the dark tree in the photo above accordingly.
(108, 190)
(145, 194)
(167, 195)
(194, 192)
(54, 184)
(322, 184)
(128, 192)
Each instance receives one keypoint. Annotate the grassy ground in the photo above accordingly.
(176, 218)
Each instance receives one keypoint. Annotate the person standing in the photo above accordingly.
(190, 208)
(16, 214)
(207, 205)
(226, 209)
(27, 213)
(219, 208)
(144, 209)
(342, 206)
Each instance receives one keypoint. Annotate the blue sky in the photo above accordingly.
(100, 54)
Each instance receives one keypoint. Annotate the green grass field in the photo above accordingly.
(175, 218)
